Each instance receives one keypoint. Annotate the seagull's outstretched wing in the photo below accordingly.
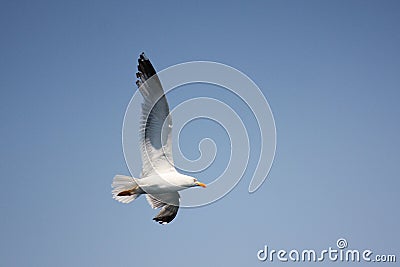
(156, 124)
(168, 211)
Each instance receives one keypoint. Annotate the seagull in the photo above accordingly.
(159, 179)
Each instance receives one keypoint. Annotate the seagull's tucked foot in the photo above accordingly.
(128, 192)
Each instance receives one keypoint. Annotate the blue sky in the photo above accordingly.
(330, 72)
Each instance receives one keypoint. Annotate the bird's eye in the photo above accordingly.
(194, 180)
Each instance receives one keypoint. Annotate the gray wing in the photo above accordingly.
(156, 122)
(169, 204)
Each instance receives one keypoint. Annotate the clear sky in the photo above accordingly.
(329, 69)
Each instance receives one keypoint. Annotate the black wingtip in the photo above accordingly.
(166, 215)
(160, 221)
(145, 66)
(143, 56)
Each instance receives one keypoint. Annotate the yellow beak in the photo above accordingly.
(201, 184)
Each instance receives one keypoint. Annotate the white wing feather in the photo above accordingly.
(156, 122)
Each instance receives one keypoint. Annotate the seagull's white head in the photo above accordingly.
(192, 182)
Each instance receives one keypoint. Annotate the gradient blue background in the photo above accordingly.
(329, 69)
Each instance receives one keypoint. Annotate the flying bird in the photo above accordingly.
(159, 180)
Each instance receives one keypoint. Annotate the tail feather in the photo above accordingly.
(125, 188)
